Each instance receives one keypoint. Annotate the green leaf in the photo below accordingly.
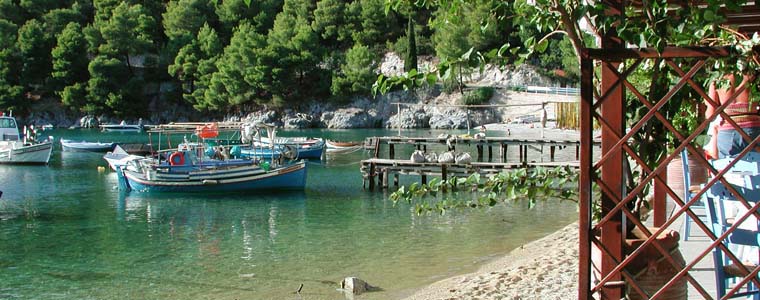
(541, 47)
(709, 15)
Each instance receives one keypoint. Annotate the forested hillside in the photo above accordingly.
(115, 57)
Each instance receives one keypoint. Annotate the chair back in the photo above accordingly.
(745, 235)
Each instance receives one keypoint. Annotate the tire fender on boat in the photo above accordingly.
(177, 159)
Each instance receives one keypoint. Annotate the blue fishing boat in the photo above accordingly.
(209, 177)
(188, 169)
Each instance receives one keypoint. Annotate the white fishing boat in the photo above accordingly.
(119, 157)
(123, 127)
(305, 147)
(17, 150)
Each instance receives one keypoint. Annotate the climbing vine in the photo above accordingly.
(529, 184)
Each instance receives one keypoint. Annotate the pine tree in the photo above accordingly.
(239, 75)
(69, 65)
(35, 53)
(184, 18)
(357, 74)
(10, 89)
(410, 63)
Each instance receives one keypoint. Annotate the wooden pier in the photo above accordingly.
(383, 169)
(482, 145)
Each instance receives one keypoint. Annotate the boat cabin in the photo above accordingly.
(8, 129)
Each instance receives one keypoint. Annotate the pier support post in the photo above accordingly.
(551, 152)
(490, 152)
(480, 152)
(443, 172)
(521, 152)
(381, 178)
(504, 154)
(424, 178)
(395, 179)
(577, 152)
(391, 151)
(371, 176)
(385, 178)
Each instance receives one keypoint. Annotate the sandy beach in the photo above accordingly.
(543, 269)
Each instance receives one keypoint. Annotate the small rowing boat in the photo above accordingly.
(338, 146)
(84, 146)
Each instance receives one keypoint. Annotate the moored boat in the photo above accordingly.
(15, 150)
(290, 151)
(225, 177)
(84, 146)
(123, 127)
(119, 157)
(188, 169)
(338, 146)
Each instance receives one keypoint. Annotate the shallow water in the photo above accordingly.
(67, 233)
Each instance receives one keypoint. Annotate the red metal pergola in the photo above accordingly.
(608, 110)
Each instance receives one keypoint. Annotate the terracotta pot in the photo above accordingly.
(650, 269)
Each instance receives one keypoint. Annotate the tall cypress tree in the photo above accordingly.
(411, 53)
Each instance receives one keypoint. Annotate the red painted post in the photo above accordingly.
(586, 173)
(612, 111)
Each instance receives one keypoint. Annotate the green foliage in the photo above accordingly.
(69, 63)
(35, 53)
(374, 23)
(260, 14)
(329, 21)
(11, 12)
(184, 18)
(75, 97)
(532, 185)
(10, 88)
(127, 32)
(56, 20)
(477, 96)
(297, 50)
(357, 73)
(241, 72)
(106, 90)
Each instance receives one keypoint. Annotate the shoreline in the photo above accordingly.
(546, 268)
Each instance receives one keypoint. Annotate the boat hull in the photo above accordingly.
(121, 128)
(72, 146)
(34, 154)
(286, 178)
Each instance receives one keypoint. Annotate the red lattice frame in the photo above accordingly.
(606, 110)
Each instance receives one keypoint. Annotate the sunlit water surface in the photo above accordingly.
(67, 233)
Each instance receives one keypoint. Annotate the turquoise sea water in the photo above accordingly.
(67, 233)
